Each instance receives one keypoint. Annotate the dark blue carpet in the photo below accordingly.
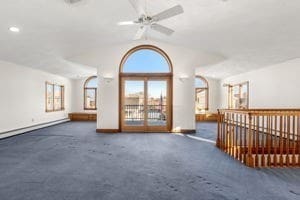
(71, 161)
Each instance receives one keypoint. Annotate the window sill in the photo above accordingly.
(49, 111)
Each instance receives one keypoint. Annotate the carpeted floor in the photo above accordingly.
(207, 130)
(71, 161)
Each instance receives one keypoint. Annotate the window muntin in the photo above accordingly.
(90, 93)
(201, 94)
(146, 61)
(54, 97)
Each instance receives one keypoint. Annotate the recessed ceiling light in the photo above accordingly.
(14, 29)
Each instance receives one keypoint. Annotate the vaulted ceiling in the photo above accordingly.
(246, 34)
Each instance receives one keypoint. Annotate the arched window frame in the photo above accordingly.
(206, 89)
(168, 75)
(147, 47)
(85, 93)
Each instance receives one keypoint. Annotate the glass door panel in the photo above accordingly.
(90, 98)
(134, 103)
(157, 102)
(145, 104)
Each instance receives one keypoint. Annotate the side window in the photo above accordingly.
(90, 93)
(201, 94)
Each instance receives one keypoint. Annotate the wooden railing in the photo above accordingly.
(261, 137)
(137, 112)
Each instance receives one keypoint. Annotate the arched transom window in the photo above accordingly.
(201, 90)
(90, 93)
(146, 60)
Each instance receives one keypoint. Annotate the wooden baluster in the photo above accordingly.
(231, 135)
(269, 140)
(275, 142)
(235, 132)
(287, 147)
(294, 141)
(227, 132)
(228, 135)
(219, 130)
(254, 131)
(263, 139)
(236, 137)
(249, 161)
(223, 131)
(281, 142)
(284, 138)
(257, 141)
(241, 138)
(245, 139)
(298, 138)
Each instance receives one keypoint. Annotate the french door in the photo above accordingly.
(145, 104)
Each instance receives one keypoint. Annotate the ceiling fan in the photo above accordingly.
(145, 21)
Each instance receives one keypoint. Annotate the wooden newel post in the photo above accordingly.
(250, 160)
(218, 142)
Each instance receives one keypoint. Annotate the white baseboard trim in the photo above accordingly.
(31, 128)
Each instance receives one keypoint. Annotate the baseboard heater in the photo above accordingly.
(19, 131)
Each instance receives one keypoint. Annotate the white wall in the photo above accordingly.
(108, 60)
(78, 96)
(276, 86)
(214, 95)
(22, 101)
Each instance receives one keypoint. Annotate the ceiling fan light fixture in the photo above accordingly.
(151, 22)
(126, 23)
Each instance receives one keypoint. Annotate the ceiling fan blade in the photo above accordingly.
(141, 31)
(137, 5)
(162, 29)
(127, 23)
(176, 10)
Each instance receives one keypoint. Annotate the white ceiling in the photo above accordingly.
(248, 34)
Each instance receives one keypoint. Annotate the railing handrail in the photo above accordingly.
(261, 111)
(144, 105)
